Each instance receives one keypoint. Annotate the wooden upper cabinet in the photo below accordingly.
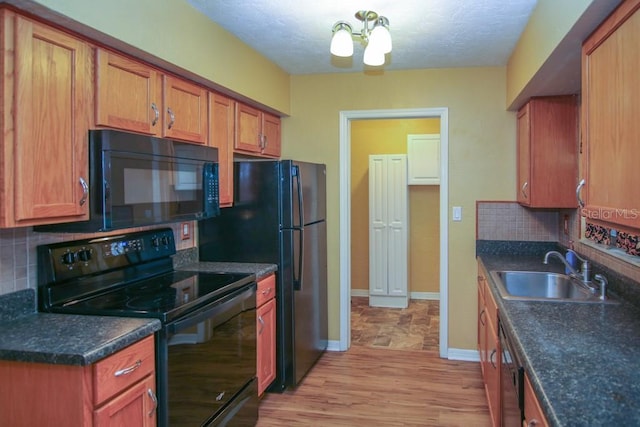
(221, 119)
(248, 129)
(185, 110)
(610, 119)
(136, 97)
(257, 132)
(47, 98)
(547, 150)
(127, 94)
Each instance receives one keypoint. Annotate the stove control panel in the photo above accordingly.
(62, 261)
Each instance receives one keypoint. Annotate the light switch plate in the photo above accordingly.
(457, 213)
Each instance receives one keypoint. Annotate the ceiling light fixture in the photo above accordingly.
(377, 40)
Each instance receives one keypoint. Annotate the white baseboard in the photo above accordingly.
(464, 355)
(412, 295)
(425, 295)
(334, 345)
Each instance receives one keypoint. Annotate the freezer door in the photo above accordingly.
(304, 193)
(310, 298)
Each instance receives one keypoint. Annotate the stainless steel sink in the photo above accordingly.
(541, 286)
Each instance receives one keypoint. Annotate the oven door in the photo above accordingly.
(211, 363)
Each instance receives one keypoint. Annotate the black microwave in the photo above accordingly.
(138, 180)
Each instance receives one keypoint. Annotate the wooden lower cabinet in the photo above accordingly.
(533, 415)
(489, 346)
(266, 326)
(116, 391)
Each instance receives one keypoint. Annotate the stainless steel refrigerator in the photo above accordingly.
(279, 217)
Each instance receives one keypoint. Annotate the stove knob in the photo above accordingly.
(68, 258)
(84, 255)
(165, 240)
(155, 242)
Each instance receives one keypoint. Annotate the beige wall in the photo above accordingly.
(481, 158)
(177, 33)
(390, 137)
(549, 23)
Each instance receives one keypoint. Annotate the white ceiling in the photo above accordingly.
(426, 33)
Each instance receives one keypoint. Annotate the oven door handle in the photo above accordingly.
(221, 310)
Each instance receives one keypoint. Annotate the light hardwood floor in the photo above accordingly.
(370, 385)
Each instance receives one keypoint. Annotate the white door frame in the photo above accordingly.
(345, 213)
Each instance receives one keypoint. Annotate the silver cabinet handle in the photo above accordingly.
(264, 145)
(533, 423)
(156, 113)
(85, 191)
(482, 313)
(524, 187)
(261, 325)
(128, 370)
(266, 291)
(578, 190)
(172, 118)
(493, 353)
(154, 399)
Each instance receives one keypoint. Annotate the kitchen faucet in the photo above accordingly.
(584, 275)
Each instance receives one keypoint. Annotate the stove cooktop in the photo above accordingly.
(165, 296)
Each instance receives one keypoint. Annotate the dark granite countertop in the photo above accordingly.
(581, 358)
(260, 270)
(67, 339)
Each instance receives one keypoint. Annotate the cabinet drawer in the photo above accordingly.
(266, 289)
(122, 369)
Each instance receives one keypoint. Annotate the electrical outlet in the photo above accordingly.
(185, 228)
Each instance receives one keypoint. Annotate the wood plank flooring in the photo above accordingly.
(376, 385)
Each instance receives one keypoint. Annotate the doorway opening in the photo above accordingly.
(346, 117)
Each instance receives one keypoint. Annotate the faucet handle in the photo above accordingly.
(582, 260)
(603, 285)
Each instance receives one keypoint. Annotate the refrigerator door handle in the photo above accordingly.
(297, 279)
(296, 173)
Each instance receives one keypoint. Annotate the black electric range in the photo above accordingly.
(206, 348)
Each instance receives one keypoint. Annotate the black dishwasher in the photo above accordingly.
(512, 383)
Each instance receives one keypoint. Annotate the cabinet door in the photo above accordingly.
(266, 368)
(271, 135)
(492, 378)
(611, 108)
(48, 159)
(378, 227)
(533, 415)
(524, 140)
(221, 119)
(397, 214)
(248, 129)
(127, 94)
(185, 110)
(135, 407)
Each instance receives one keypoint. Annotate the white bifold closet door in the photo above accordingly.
(388, 231)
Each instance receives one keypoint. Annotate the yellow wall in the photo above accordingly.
(177, 33)
(549, 23)
(481, 158)
(390, 137)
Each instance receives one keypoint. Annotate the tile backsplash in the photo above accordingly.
(18, 258)
(511, 221)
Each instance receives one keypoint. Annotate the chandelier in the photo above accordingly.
(377, 39)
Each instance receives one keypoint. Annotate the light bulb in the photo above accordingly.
(373, 56)
(341, 43)
(381, 37)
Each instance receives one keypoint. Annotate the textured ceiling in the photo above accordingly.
(426, 33)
